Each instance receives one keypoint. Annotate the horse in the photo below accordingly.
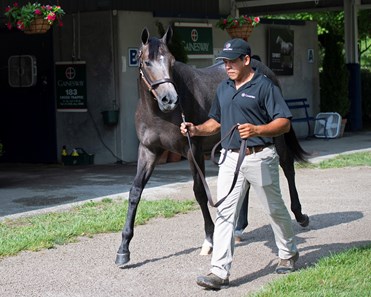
(168, 89)
(286, 47)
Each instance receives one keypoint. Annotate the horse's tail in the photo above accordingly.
(299, 154)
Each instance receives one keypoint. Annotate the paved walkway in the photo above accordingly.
(165, 257)
(27, 189)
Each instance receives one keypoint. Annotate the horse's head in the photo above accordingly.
(155, 66)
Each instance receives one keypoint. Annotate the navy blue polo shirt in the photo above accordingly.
(257, 102)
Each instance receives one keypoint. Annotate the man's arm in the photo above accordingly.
(275, 128)
(210, 127)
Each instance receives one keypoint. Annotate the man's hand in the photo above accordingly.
(187, 127)
(247, 130)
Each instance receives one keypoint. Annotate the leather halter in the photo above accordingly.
(152, 85)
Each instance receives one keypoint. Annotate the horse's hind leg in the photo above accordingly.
(287, 165)
(146, 163)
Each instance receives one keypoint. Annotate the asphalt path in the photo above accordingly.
(165, 258)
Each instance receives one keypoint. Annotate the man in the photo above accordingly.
(250, 100)
(242, 221)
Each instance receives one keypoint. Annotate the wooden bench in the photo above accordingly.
(302, 104)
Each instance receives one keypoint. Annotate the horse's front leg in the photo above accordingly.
(145, 166)
(202, 200)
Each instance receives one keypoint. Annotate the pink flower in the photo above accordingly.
(15, 4)
(256, 19)
(37, 11)
(60, 23)
(20, 25)
(9, 25)
(7, 9)
(51, 17)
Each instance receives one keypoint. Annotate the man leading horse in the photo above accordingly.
(252, 103)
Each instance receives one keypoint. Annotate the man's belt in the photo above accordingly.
(252, 149)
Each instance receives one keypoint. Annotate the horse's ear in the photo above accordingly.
(168, 35)
(145, 35)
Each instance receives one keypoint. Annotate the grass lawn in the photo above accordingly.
(47, 230)
(346, 274)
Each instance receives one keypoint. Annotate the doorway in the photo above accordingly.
(27, 101)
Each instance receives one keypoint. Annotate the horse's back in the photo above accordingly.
(196, 88)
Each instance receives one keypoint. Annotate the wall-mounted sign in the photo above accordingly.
(133, 57)
(310, 55)
(281, 51)
(71, 86)
(197, 39)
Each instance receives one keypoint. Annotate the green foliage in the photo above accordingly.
(176, 46)
(326, 20)
(364, 24)
(22, 16)
(334, 76)
(346, 274)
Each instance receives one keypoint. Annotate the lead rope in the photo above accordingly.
(238, 165)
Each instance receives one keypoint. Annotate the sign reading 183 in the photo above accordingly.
(71, 86)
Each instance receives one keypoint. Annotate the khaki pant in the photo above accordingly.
(259, 170)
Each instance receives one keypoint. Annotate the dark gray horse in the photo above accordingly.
(166, 89)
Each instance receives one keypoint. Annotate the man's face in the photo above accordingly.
(236, 68)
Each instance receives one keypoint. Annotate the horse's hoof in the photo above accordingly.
(305, 221)
(206, 250)
(122, 259)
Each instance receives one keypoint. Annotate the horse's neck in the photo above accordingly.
(147, 104)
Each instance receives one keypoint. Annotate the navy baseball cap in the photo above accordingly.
(234, 48)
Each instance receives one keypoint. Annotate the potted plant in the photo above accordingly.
(238, 27)
(33, 17)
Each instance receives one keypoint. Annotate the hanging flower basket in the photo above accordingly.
(33, 18)
(38, 26)
(243, 31)
(238, 27)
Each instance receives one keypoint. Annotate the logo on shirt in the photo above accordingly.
(247, 95)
